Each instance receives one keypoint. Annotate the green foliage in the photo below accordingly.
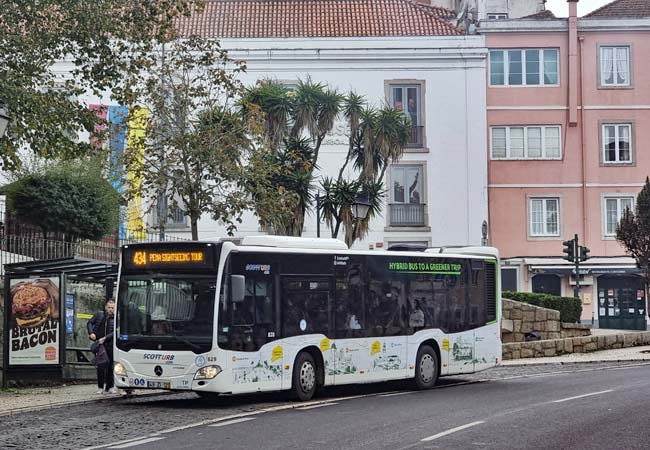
(106, 42)
(376, 139)
(633, 231)
(570, 307)
(72, 198)
(197, 142)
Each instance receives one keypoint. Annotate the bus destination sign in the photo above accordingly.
(176, 258)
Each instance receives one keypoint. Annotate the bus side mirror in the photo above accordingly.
(237, 288)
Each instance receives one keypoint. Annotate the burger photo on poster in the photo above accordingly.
(33, 302)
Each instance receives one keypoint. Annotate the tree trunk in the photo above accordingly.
(195, 228)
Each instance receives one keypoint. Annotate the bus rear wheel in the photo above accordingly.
(427, 368)
(303, 383)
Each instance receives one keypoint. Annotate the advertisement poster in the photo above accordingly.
(69, 313)
(34, 321)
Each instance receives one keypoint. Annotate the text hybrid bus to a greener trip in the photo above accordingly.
(281, 313)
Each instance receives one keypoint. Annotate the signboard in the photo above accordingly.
(178, 257)
(69, 313)
(34, 321)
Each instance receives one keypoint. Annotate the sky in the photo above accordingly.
(561, 8)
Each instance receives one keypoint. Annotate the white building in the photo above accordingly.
(381, 49)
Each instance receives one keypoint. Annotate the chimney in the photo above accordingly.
(573, 63)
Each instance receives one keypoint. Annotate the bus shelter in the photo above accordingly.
(40, 315)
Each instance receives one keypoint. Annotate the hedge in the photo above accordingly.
(570, 307)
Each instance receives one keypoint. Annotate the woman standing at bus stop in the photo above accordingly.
(100, 331)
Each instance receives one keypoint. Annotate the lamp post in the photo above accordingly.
(360, 208)
(4, 119)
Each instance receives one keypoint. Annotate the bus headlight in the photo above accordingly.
(119, 369)
(207, 372)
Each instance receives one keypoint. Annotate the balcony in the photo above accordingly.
(416, 139)
(407, 215)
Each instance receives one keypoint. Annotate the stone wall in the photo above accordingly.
(521, 318)
(583, 344)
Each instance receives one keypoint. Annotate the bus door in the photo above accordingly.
(306, 317)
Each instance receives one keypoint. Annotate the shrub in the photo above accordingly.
(570, 307)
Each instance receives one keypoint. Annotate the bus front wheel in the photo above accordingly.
(303, 383)
(427, 368)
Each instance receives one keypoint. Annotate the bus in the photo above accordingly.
(297, 314)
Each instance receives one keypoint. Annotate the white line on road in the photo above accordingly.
(582, 396)
(143, 441)
(453, 430)
(231, 422)
(315, 406)
(392, 394)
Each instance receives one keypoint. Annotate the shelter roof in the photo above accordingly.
(80, 269)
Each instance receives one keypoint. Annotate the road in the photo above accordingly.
(585, 406)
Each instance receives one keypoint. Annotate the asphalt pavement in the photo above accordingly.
(14, 401)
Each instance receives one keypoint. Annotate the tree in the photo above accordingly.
(295, 125)
(377, 138)
(71, 198)
(633, 231)
(197, 146)
(105, 41)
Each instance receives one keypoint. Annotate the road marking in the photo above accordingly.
(453, 430)
(395, 393)
(140, 442)
(582, 396)
(316, 406)
(230, 422)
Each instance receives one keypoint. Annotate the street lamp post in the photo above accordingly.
(4, 119)
(360, 209)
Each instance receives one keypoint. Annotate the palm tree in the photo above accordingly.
(296, 123)
(377, 139)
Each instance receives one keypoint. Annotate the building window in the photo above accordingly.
(174, 215)
(614, 209)
(544, 217)
(497, 16)
(407, 202)
(615, 66)
(509, 279)
(530, 142)
(408, 99)
(617, 146)
(531, 67)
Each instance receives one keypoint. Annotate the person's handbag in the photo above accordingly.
(101, 356)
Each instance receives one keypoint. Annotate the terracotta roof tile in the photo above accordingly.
(317, 18)
(542, 15)
(622, 8)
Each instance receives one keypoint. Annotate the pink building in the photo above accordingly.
(568, 118)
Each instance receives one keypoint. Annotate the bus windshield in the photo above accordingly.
(166, 312)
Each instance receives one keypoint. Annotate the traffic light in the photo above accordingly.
(570, 250)
(584, 253)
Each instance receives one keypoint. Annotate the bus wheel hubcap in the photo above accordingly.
(307, 377)
(427, 368)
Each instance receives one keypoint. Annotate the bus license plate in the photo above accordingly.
(157, 384)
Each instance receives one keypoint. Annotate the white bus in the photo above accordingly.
(281, 313)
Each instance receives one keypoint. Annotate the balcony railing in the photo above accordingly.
(416, 139)
(407, 215)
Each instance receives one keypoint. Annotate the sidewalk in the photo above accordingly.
(16, 400)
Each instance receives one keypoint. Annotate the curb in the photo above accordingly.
(566, 363)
